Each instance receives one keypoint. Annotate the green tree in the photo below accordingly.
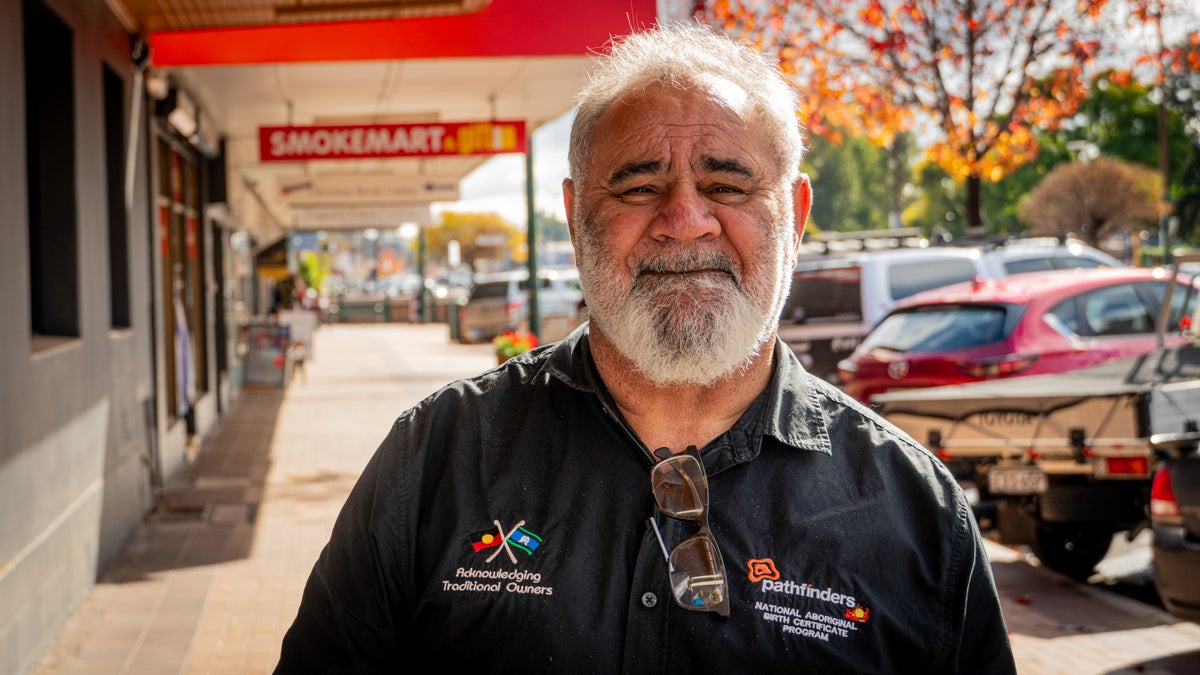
(1183, 98)
(936, 202)
(314, 269)
(1120, 117)
(850, 184)
(550, 228)
(1001, 200)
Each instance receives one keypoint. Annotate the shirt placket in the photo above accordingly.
(648, 609)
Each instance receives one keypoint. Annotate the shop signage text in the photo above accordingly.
(373, 141)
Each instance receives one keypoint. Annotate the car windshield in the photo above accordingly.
(939, 329)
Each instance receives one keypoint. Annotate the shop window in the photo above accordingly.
(185, 315)
(118, 225)
(50, 164)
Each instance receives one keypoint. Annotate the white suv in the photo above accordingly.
(836, 299)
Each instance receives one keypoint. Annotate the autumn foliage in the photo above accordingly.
(974, 77)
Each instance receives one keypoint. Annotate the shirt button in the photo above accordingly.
(649, 599)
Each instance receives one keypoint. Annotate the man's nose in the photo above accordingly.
(685, 214)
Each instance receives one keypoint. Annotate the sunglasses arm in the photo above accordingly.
(661, 544)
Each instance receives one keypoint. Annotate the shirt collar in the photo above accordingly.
(796, 414)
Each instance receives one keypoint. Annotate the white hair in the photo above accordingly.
(687, 55)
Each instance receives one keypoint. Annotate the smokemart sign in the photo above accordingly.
(373, 141)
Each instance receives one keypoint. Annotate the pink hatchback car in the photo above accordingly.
(1025, 324)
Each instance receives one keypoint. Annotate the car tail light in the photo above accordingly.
(1126, 466)
(1163, 506)
(998, 366)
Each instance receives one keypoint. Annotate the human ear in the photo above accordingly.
(801, 204)
(568, 189)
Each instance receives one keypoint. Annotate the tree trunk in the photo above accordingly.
(898, 165)
(975, 227)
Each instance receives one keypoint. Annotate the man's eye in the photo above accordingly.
(727, 194)
(638, 190)
(726, 189)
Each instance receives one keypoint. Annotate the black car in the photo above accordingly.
(1175, 517)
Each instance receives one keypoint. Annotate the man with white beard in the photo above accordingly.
(505, 522)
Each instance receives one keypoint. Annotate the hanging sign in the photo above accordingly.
(374, 141)
(358, 217)
(366, 188)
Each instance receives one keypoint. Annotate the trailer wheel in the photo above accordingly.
(1073, 550)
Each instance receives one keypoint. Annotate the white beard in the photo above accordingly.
(684, 328)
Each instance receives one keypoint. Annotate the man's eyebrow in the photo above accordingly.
(635, 169)
(733, 166)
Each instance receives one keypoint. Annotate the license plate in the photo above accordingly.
(1016, 480)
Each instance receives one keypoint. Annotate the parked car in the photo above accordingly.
(499, 302)
(1175, 519)
(1025, 324)
(836, 299)
(1175, 490)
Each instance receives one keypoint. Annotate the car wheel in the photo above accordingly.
(1073, 550)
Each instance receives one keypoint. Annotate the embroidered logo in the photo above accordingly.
(519, 538)
(812, 611)
(762, 568)
(859, 614)
(490, 580)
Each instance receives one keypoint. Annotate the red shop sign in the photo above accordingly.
(363, 141)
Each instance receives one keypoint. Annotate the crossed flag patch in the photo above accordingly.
(517, 538)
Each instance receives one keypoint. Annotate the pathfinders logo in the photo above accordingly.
(804, 609)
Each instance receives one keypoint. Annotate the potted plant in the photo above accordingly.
(510, 343)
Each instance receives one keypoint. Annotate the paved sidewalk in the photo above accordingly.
(212, 579)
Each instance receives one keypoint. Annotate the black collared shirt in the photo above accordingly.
(502, 527)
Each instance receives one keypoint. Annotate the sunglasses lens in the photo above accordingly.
(697, 573)
(680, 487)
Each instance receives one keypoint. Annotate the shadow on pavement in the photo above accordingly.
(207, 514)
(1049, 606)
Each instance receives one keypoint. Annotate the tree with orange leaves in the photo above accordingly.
(972, 77)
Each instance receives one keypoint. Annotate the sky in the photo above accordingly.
(498, 185)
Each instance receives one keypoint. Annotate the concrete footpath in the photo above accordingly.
(211, 580)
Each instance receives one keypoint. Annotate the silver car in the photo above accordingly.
(500, 302)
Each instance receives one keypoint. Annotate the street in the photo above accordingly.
(212, 579)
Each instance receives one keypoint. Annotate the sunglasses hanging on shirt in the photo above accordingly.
(695, 566)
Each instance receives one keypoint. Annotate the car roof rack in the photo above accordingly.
(829, 242)
(1000, 241)
(832, 242)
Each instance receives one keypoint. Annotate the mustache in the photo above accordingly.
(680, 262)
